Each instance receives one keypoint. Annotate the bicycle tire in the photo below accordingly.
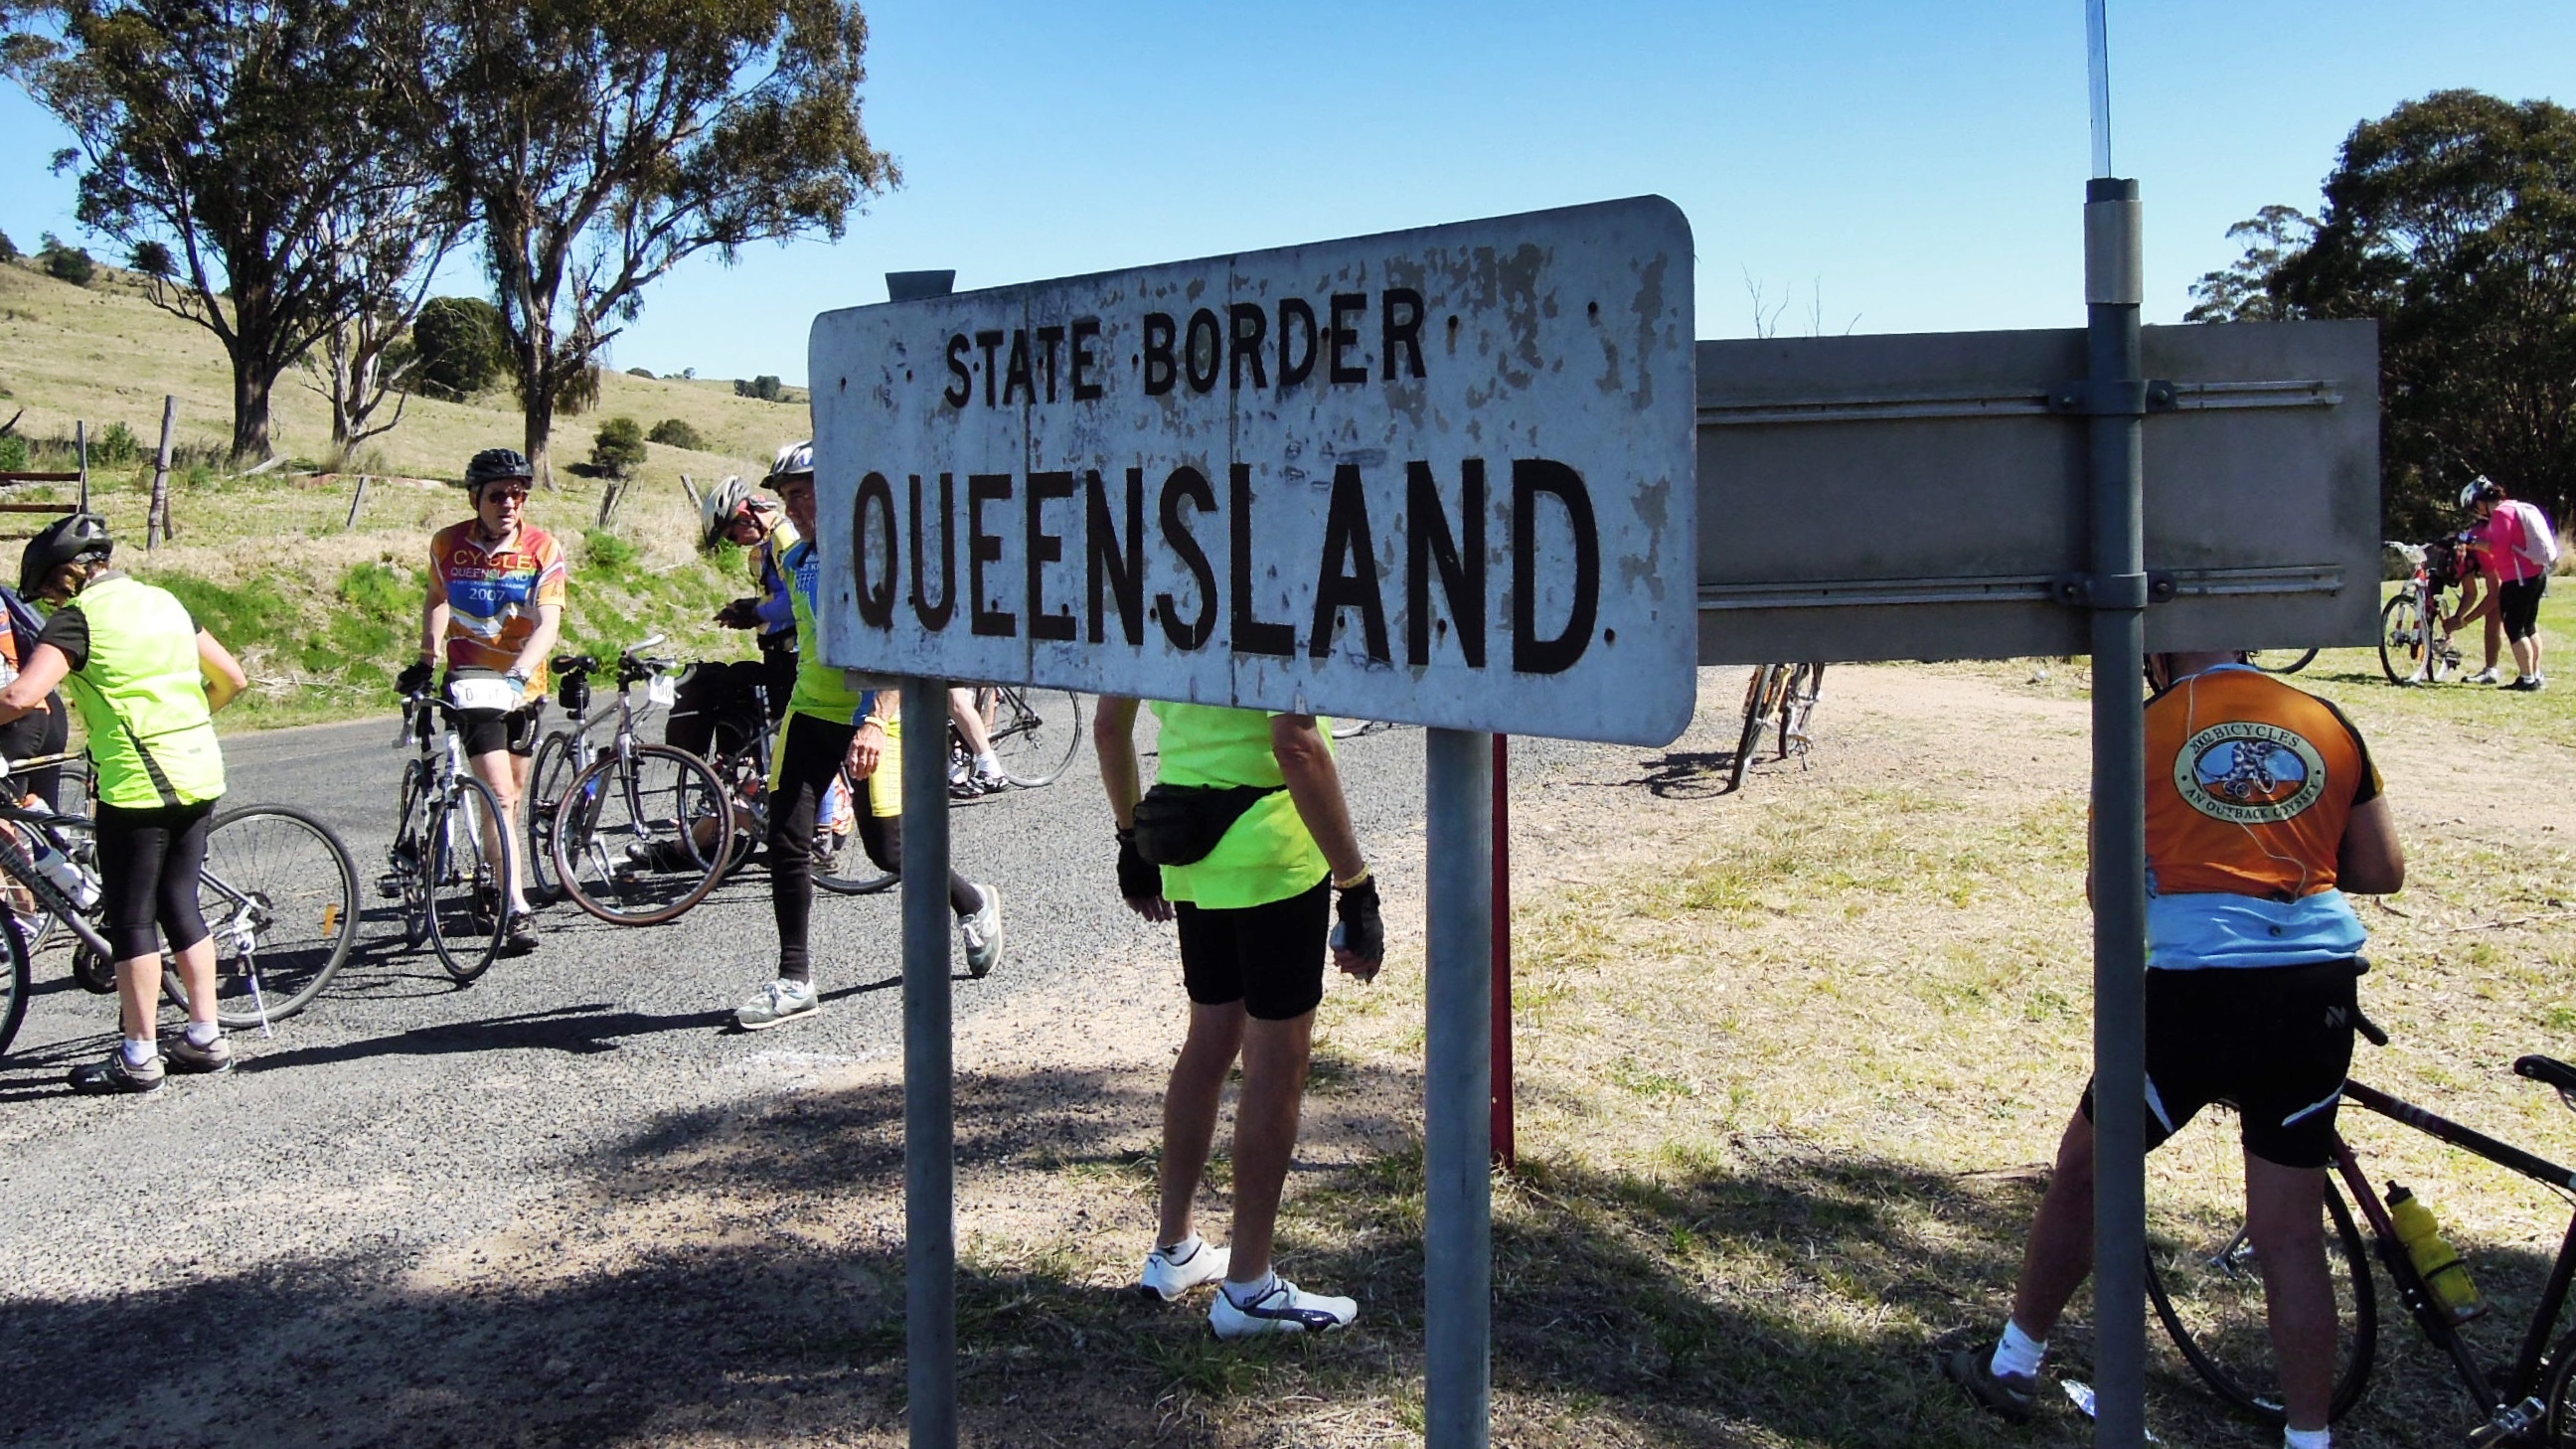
(280, 897)
(468, 892)
(2402, 637)
(18, 981)
(1757, 696)
(1035, 732)
(548, 773)
(866, 879)
(2559, 1414)
(2296, 662)
(1798, 694)
(2208, 1292)
(659, 794)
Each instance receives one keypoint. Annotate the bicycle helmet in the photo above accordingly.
(77, 539)
(2479, 489)
(794, 459)
(493, 464)
(724, 503)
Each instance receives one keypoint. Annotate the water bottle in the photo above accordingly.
(53, 865)
(2433, 1256)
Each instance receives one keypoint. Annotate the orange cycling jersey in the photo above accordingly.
(494, 593)
(2249, 786)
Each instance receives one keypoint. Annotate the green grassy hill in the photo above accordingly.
(321, 612)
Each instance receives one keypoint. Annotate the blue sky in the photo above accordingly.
(1919, 165)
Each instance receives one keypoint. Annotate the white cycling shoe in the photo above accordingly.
(1167, 1277)
(1281, 1308)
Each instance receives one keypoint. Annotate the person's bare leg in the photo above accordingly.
(2059, 1255)
(2495, 634)
(2526, 656)
(197, 975)
(2285, 1220)
(138, 996)
(970, 723)
(1189, 1110)
(502, 771)
(1265, 1136)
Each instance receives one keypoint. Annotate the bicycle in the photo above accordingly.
(1782, 698)
(279, 894)
(454, 895)
(1351, 729)
(2210, 1298)
(1034, 734)
(565, 753)
(2411, 630)
(643, 831)
(2282, 661)
(744, 772)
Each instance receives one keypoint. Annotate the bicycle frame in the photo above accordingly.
(2512, 1405)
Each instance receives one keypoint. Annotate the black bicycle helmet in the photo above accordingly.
(495, 463)
(81, 537)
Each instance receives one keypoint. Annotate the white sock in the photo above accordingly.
(1244, 1294)
(2018, 1354)
(988, 763)
(1182, 1251)
(2308, 1438)
(518, 901)
(139, 1052)
(203, 1033)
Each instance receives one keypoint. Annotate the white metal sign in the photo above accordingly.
(1441, 476)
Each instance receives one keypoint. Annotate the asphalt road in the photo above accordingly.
(402, 1112)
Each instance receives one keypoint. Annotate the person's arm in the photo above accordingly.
(2371, 861)
(433, 619)
(867, 745)
(1113, 739)
(221, 671)
(47, 667)
(1315, 784)
(541, 644)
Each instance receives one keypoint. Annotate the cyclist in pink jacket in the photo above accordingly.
(2515, 547)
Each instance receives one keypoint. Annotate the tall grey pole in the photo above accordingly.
(929, 1121)
(2115, 374)
(1458, 1224)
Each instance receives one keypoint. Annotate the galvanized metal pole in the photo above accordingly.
(1458, 1228)
(2117, 395)
(1506, 1153)
(929, 1123)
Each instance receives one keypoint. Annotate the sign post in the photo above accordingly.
(1441, 477)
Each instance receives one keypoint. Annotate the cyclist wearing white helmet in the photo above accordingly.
(2515, 546)
(715, 712)
(832, 718)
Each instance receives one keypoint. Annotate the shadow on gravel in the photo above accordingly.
(1679, 775)
(582, 1030)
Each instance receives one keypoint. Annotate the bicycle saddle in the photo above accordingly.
(2548, 1071)
(575, 664)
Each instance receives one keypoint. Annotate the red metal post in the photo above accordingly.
(1504, 1151)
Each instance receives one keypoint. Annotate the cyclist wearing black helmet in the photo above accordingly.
(495, 609)
(147, 681)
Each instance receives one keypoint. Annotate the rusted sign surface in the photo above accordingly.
(1441, 476)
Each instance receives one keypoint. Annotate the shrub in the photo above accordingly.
(645, 373)
(8, 248)
(673, 433)
(68, 263)
(152, 259)
(13, 454)
(619, 447)
(115, 448)
(605, 551)
(460, 344)
(764, 387)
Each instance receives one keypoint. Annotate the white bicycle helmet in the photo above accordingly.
(793, 459)
(722, 504)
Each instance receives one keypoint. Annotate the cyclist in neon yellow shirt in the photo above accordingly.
(1251, 914)
(147, 682)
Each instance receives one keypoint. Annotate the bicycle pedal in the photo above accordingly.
(390, 887)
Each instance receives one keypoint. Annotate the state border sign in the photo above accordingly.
(1443, 476)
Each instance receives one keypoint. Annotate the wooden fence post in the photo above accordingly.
(356, 501)
(156, 519)
(80, 441)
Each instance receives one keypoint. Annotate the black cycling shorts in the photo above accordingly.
(2276, 1041)
(1269, 957)
(486, 731)
(2518, 606)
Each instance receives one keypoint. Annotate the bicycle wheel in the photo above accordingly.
(468, 889)
(641, 839)
(1759, 691)
(1797, 702)
(2208, 1290)
(2561, 1397)
(1035, 732)
(15, 983)
(2401, 639)
(2287, 663)
(547, 775)
(280, 897)
(841, 863)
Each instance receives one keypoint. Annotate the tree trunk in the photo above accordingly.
(250, 415)
(541, 423)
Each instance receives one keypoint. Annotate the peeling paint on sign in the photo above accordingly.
(1441, 477)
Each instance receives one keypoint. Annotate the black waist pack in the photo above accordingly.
(1180, 824)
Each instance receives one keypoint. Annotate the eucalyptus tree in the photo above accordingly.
(599, 143)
